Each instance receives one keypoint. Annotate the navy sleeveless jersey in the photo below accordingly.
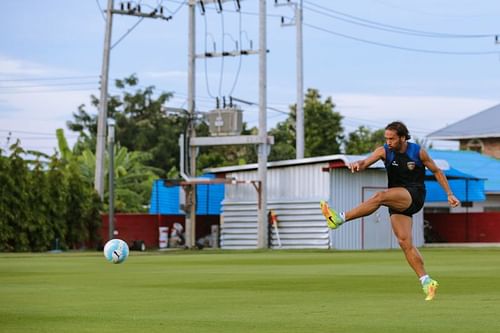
(405, 169)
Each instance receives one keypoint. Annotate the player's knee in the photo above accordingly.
(378, 198)
(405, 243)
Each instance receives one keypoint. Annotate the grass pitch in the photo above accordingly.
(268, 291)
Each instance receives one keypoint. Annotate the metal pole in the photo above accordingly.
(103, 106)
(300, 84)
(262, 155)
(191, 190)
(111, 174)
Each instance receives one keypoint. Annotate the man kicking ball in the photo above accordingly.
(405, 163)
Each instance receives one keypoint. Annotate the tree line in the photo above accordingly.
(45, 203)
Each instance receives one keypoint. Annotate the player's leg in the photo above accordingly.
(402, 227)
(396, 198)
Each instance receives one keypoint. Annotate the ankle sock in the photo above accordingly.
(424, 278)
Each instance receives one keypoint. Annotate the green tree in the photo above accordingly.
(16, 201)
(218, 156)
(363, 140)
(6, 230)
(322, 129)
(40, 231)
(56, 207)
(141, 124)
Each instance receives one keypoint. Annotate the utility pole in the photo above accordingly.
(103, 106)
(262, 151)
(300, 84)
(111, 174)
(129, 10)
(191, 190)
(299, 123)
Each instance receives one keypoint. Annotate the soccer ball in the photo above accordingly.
(116, 251)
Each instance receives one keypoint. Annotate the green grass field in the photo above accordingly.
(268, 291)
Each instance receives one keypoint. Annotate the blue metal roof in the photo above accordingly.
(473, 163)
(166, 199)
(465, 187)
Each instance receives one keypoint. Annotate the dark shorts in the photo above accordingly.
(417, 202)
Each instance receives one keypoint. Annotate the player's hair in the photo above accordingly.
(400, 129)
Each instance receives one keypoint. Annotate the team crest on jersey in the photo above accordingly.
(410, 165)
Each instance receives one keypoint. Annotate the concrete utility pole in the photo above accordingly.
(300, 84)
(191, 190)
(111, 174)
(103, 106)
(103, 102)
(299, 123)
(262, 153)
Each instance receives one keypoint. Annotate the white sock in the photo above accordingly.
(423, 278)
(342, 216)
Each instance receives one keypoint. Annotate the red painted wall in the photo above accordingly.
(144, 227)
(462, 227)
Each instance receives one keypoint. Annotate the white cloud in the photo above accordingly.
(424, 113)
(10, 66)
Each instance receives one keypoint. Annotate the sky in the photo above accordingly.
(428, 63)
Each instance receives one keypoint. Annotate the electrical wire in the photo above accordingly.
(240, 58)
(205, 59)
(387, 27)
(400, 47)
(101, 10)
(51, 78)
(221, 77)
(126, 33)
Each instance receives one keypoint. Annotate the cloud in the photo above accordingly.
(16, 67)
(423, 113)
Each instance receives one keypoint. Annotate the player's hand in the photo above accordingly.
(453, 201)
(354, 167)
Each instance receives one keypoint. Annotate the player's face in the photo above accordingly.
(394, 141)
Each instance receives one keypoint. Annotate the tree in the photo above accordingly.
(16, 201)
(141, 124)
(56, 207)
(322, 129)
(218, 156)
(363, 141)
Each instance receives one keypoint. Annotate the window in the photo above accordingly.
(475, 145)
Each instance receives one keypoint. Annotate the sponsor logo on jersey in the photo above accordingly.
(410, 165)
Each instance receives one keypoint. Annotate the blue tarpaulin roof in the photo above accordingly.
(166, 199)
(465, 187)
(473, 163)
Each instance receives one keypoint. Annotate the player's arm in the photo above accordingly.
(361, 165)
(440, 177)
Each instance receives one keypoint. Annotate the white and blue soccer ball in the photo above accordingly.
(116, 251)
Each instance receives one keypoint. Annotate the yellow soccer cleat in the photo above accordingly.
(430, 288)
(333, 219)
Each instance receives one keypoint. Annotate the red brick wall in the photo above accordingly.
(463, 227)
(144, 227)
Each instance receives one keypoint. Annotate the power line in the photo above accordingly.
(48, 85)
(400, 47)
(240, 58)
(51, 78)
(388, 27)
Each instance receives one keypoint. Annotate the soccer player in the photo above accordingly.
(405, 163)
